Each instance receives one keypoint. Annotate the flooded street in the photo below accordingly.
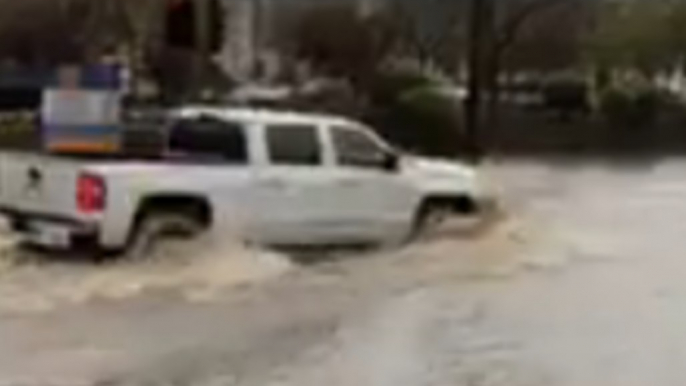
(38, 282)
(579, 281)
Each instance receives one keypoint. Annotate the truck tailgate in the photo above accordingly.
(39, 184)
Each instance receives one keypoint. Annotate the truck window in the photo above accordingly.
(356, 149)
(296, 145)
(209, 138)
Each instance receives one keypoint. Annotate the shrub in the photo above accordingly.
(388, 87)
(631, 108)
(333, 98)
(422, 121)
(404, 106)
(566, 96)
(435, 119)
(408, 108)
(19, 130)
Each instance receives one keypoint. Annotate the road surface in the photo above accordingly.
(580, 282)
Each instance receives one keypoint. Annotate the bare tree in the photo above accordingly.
(142, 23)
(337, 41)
(511, 20)
(50, 36)
(431, 31)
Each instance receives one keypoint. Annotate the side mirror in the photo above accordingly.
(391, 162)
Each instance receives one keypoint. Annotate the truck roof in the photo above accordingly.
(264, 116)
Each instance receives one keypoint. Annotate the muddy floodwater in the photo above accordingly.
(32, 281)
(578, 279)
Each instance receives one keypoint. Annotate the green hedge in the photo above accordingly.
(433, 120)
(410, 110)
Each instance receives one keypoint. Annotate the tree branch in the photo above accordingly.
(509, 32)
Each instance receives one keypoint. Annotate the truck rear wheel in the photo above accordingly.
(156, 227)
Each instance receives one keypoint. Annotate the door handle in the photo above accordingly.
(349, 183)
(273, 183)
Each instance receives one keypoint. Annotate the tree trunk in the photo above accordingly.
(202, 9)
(492, 121)
(143, 18)
(480, 23)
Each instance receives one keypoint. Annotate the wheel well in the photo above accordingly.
(461, 204)
(197, 207)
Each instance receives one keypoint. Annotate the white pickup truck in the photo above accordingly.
(268, 177)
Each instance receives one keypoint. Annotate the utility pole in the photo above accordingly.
(258, 8)
(480, 25)
(262, 13)
(202, 31)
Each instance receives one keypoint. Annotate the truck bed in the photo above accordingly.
(39, 184)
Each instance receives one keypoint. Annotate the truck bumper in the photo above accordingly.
(52, 232)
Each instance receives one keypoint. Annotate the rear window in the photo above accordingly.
(294, 145)
(209, 138)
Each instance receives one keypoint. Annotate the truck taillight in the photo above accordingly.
(91, 194)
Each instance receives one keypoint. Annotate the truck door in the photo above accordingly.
(372, 193)
(211, 155)
(294, 189)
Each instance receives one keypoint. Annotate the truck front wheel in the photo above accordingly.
(437, 210)
(428, 218)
